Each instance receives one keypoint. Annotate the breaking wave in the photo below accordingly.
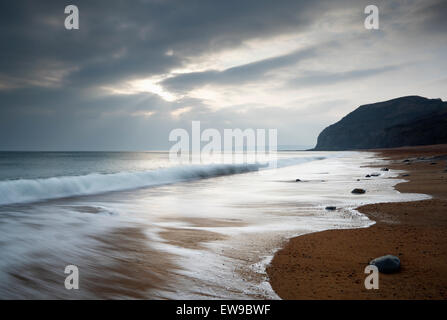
(32, 190)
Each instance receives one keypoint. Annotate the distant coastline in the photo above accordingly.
(404, 121)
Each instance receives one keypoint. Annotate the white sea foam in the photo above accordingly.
(244, 219)
(32, 190)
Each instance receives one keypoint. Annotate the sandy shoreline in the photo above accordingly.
(143, 252)
(330, 264)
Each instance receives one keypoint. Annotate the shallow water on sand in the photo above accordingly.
(141, 228)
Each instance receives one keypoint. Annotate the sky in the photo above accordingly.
(135, 70)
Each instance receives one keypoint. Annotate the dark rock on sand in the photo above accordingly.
(433, 163)
(384, 169)
(387, 264)
(406, 160)
(367, 176)
(405, 175)
(358, 191)
(331, 208)
(375, 174)
(298, 180)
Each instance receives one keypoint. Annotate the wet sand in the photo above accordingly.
(330, 264)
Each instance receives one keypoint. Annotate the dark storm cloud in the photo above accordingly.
(58, 122)
(434, 16)
(329, 78)
(119, 39)
(50, 77)
(236, 75)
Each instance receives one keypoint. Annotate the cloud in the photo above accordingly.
(117, 40)
(236, 75)
(319, 78)
(133, 71)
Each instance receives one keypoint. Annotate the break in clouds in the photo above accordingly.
(136, 70)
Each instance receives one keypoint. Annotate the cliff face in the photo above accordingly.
(405, 121)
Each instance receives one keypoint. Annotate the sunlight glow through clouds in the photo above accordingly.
(281, 87)
(218, 96)
(295, 65)
(148, 85)
(250, 51)
(145, 114)
(178, 112)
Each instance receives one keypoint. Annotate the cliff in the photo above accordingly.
(405, 121)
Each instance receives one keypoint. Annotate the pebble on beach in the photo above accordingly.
(386, 264)
(331, 208)
(358, 191)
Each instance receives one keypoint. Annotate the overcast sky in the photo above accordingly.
(137, 69)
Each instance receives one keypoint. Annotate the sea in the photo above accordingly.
(138, 225)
